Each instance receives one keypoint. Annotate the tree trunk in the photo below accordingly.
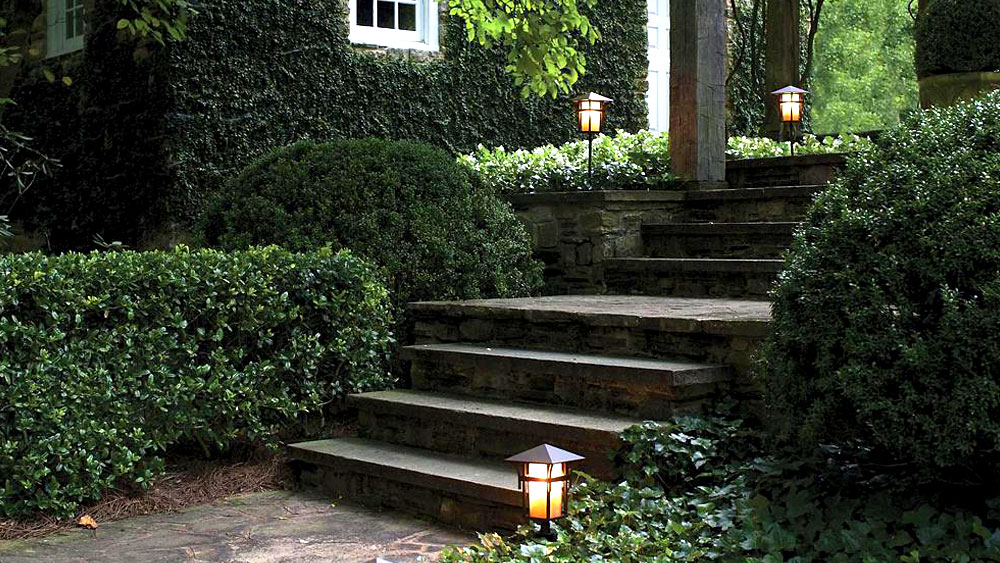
(782, 55)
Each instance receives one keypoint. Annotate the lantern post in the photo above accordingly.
(590, 114)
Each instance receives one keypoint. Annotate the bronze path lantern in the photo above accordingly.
(590, 116)
(791, 102)
(543, 476)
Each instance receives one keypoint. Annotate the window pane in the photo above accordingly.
(80, 19)
(70, 26)
(366, 12)
(387, 14)
(408, 17)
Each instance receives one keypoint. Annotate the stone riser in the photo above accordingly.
(468, 439)
(744, 285)
(633, 398)
(768, 178)
(717, 246)
(785, 209)
(732, 348)
(463, 511)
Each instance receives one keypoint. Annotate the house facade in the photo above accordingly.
(406, 24)
(148, 132)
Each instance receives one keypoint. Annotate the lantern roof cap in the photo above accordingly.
(790, 90)
(547, 454)
(592, 97)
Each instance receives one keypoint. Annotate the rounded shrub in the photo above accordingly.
(109, 359)
(958, 36)
(407, 206)
(887, 319)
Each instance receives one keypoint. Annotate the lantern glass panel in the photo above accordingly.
(591, 116)
(791, 107)
(545, 498)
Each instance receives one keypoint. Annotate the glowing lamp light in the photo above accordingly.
(543, 476)
(790, 102)
(590, 112)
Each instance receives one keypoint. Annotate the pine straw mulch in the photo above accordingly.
(187, 482)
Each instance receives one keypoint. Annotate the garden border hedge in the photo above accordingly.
(111, 358)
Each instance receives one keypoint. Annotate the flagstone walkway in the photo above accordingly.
(272, 527)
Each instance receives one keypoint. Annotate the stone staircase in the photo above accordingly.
(491, 378)
(724, 243)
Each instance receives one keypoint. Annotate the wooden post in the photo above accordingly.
(698, 91)
(782, 56)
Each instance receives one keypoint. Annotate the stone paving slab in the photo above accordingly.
(271, 527)
(682, 314)
(616, 306)
(509, 415)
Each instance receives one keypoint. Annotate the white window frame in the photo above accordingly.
(56, 43)
(425, 38)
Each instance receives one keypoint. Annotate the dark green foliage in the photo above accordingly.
(958, 36)
(746, 96)
(111, 358)
(679, 501)
(705, 490)
(843, 506)
(887, 318)
(163, 127)
(408, 207)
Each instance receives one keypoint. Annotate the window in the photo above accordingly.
(66, 24)
(402, 24)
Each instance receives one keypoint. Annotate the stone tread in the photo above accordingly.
(681, 314)
(494, 481)
(721, 265)
(663, 372)
(772, 192)
(719, 229)
(493, 413)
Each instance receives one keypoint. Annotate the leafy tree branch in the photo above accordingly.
(544, 39)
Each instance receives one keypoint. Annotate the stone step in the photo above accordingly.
(471, 493)
(647, 388)
(770, 204)
(489, 428)
(714, 331)
(693, 277)
(789, 171)
(717, 240)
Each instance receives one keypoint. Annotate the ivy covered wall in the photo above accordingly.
(160, 128)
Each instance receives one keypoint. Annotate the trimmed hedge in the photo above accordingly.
(958, 36)
(887, 318)
(408, 207)
(161, 129)
(622, 161)
(109, 359)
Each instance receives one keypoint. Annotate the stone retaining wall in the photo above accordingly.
(575, 232)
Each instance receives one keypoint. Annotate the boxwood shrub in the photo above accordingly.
(958, 36)
(406, 206)
(109, 359)
(887, 318)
